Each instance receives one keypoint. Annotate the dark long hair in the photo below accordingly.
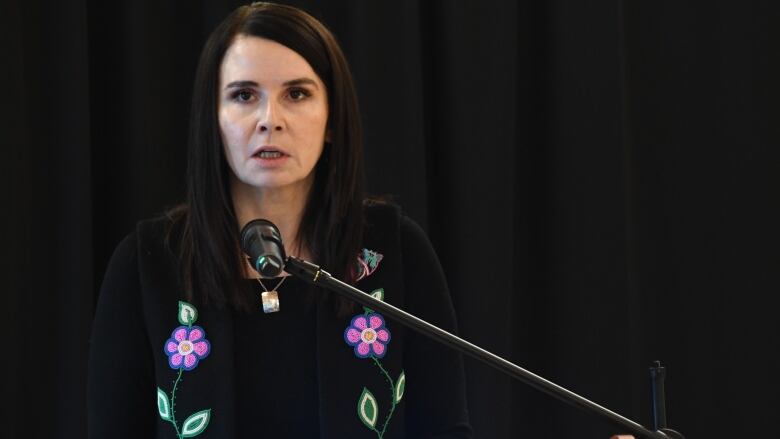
(331, 227)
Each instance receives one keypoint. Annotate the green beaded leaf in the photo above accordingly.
(196, 423)
(367, 408)
(187, 313)
(400, 385)
(163, 405)
(378, 294)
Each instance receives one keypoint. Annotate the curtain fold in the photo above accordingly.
(599, 180)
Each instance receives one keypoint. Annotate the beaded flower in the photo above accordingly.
(368, 335)
(186, 347)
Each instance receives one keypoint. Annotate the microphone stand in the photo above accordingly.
(313, 274)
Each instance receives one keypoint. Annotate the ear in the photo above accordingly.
(328, 136)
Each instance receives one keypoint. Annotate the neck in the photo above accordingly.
(282, 206)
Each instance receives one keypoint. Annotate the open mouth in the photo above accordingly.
(268, 154)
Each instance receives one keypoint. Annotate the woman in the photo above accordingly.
(275, 134)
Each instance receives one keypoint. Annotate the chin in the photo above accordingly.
(270, 183)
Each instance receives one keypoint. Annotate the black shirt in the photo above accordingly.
(290, 374)
(276, 362)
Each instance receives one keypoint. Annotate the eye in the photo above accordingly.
(299, 94)
(242, 96)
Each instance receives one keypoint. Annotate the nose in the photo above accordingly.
(268, 119)
(268, 126)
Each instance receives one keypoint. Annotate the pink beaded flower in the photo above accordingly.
(186, 347)
(368, 335)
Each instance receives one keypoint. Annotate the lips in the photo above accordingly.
(269, 157)
(269, 152)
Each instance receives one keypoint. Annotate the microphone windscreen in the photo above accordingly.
(262, 242)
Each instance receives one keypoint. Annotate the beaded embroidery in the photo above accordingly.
(367, 263)
(185, 349)
(369, 338)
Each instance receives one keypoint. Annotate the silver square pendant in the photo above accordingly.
(270, 301)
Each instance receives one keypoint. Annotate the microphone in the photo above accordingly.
(262, 242)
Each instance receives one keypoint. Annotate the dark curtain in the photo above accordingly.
(600, 180)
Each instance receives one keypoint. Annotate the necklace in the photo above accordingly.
(270, 298)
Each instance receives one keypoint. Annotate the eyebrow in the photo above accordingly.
(292, 82)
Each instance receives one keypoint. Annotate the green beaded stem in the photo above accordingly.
(392, 399)
(173, 403)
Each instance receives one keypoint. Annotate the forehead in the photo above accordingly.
(263, 61)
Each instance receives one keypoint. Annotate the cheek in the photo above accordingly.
(235, 132)
(316, 135)
(315, 123)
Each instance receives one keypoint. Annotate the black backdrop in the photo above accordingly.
(600, 180)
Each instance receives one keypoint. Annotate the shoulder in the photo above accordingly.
(389, 229)
(381, 215)
(148, 238)
(410, 260)
(147, 255)
(159, 230)
(384, 217)
(124, 260)
(158, 242)
(387, 224)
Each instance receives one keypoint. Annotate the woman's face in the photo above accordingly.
(273, 112)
